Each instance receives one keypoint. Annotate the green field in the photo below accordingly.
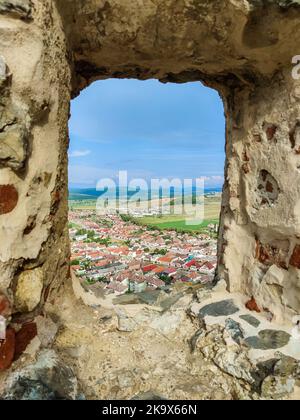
(166, 223)
(82, 204)
(212, 206)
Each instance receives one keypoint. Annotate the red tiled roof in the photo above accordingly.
(148, 268)
(208, 265)
(193, 263)
(166, 259)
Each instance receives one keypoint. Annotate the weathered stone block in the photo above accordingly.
(17, 8)
(29, 290)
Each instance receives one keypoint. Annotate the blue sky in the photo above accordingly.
(150, 129)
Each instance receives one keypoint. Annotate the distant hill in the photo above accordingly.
(93, 194)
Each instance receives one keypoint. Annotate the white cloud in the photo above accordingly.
(79, 153)
(90, 175)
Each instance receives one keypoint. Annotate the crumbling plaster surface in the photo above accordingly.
(50, 50)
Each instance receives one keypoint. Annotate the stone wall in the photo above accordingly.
(51, 50)
(259, 248)
(34, 110)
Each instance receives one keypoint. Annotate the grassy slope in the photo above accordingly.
(180, 225)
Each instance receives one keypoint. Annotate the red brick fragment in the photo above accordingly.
(295, 258)
(7, 349)
(269, 187)
(24, 337)
(270, 131)
(8, 198)
(252, 305)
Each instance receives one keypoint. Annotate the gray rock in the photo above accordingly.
(275, 387)
(287, 366)
(27, 389)
(234, 362)
(48, 378)
(52, 372)
(235, 330)
(268, 339)
(251, 320)
(16, 8)
(261, 372)
(276, 377)
(222, 308)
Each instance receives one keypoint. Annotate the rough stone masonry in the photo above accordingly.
(52, 49)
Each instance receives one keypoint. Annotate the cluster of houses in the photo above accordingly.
(122, 257)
